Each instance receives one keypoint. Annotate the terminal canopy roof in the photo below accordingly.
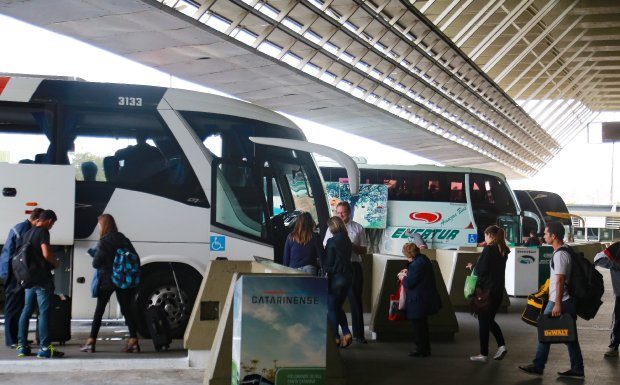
(495, 84)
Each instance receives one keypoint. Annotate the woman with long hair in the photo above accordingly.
(490, 269)
(103, 258)
(302, 249)
(339, 270)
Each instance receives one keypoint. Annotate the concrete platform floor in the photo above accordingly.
(372, 363)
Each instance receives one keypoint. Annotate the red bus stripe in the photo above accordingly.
(3, 82)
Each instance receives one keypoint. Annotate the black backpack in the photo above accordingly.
(26, 269)
(585, 284)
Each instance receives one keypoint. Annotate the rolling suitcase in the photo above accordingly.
(59, 325)
(159, 328)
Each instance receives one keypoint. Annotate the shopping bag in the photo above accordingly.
(555, 330)
(394, 312)
(402, 296)
(470, 284)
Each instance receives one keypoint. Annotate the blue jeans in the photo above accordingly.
(574, 351)
(43, 296)
(310, 269)
(338, 288)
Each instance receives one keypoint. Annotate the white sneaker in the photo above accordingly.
(479, 358)
(501, 353)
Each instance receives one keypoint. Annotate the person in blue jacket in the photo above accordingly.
(14, 296)
(422, 298)
(302, 249)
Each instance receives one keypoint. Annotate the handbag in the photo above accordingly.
(536, 304)
(394, 312)
(555, 330)
(480, 301)
(470, 284)
(94, 285)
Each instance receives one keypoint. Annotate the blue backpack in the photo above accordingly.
(126, 269)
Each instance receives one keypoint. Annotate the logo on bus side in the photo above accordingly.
(425, 217)
(427, 234)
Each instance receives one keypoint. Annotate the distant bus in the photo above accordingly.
(547, 206)
(449, 206)
(188, 176)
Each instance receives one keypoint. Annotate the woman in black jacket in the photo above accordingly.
(422, 298)
(337, 264)
(490, 269)
(103, 258)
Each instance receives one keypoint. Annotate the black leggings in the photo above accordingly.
(124, 297)
(486, 323)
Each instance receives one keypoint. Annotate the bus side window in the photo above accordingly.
(25, 133)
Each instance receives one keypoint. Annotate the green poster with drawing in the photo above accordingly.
(279, 330)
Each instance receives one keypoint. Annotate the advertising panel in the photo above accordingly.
(369, 207)
(279, 330)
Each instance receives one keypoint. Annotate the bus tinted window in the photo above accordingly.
(490, 194)
(132, 149)
(548, 201)
(26, 132)
(424, 186)
(287, 178)
(335, 174)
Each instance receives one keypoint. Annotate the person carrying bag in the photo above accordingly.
(489, 291)
(422, 298)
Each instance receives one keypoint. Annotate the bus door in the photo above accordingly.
(28, 186)
(493, 204)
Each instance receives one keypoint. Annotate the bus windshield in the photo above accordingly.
(287, 178)
(492, 204)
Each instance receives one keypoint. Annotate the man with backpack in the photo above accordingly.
(610, 259)
(40, 285)
(560, 302)
(14, 296)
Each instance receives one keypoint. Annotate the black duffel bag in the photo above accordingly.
(555, 330)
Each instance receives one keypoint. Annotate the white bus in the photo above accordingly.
(188, 176)
(449, 206)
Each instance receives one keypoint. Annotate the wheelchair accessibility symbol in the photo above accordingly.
(218, 243)
(472, 238)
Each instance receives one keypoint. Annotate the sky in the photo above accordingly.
(581, 173)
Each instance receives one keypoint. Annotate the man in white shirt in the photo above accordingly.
(358, 240)
(560, 303)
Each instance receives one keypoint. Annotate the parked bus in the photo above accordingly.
(188, 176)
(547, 206)
(449, 206)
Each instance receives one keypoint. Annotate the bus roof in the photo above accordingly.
(31, 88)
(419, 167)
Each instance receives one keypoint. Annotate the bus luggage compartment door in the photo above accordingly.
(28, 186)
